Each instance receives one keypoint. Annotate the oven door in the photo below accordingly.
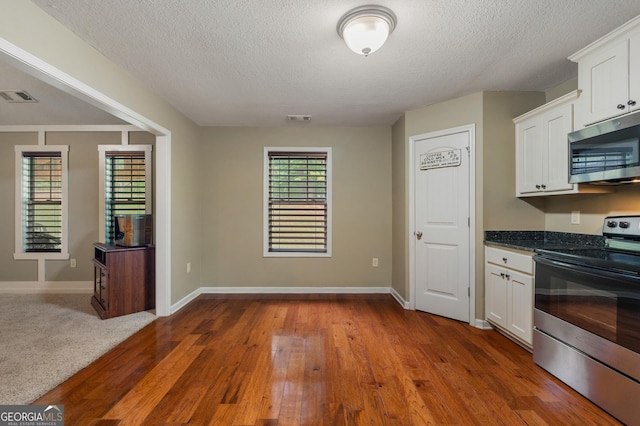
(594, 310)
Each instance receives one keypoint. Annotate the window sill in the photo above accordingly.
(284, 254)
(43, 256)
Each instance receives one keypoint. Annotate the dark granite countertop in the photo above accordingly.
(533, 240)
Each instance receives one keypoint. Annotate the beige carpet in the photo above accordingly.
(45, 339)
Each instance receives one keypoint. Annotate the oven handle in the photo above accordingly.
(592, 270)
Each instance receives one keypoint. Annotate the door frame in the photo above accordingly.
(411, 241)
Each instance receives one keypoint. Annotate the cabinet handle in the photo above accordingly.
(543, 186)
(507, 276)
(103, 287)
(502, 274)
(537, 186)
(631, 102)
(621, 106)
(504, 259)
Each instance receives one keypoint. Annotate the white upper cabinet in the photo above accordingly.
(542, 164)
(609, 75)
(542, 150)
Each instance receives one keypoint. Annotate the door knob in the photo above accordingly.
(419, 235)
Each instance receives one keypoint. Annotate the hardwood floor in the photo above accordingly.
(316, 359)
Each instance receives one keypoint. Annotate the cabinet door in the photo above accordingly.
(634, 71)
(97, 282)
(495, 294)
(604, 80)
(102, 286)
(520, 306)
(557, 123)
(529, 156)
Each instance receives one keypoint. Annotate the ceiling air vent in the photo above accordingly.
(17, 96)
(299, 117)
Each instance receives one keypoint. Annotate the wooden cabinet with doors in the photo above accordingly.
(509, 293)
(124, 280)
(609, 75)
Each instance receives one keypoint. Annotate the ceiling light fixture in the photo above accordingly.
(366, 28)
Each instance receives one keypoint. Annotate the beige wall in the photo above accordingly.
(593, 208)
(231, 162)
(562, 89)
(501, 209)
(48, 40)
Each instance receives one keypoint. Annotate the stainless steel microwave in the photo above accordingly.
(606, 153)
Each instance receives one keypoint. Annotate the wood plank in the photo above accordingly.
(317, 359)
(138, 403)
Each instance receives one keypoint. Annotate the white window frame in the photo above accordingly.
(19, 252)
(102, 161)
(265, 208)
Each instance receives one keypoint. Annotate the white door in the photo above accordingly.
(442, 223)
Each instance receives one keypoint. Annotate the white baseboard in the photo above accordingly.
(185, 301)
(295, 290)
(35, 287)
(400, 299)
(482, 324)
(276, 290)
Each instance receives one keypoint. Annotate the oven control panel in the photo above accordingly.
(622, 226)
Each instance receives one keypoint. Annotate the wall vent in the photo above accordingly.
(17, 96)
(299, 117)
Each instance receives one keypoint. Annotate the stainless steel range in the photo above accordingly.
(587, 318)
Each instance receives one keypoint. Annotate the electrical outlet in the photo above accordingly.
(575, 217)
(72, 263)
(188, 267)
(374, 262)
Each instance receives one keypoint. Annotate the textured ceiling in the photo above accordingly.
(252, 62)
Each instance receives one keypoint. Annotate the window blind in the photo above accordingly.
(42, 198)
(297, 208)
(125, 186)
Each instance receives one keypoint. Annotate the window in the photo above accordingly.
(126, 182)
(297, 204)
(41, 198)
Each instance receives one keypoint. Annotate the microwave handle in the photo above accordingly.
(591, 270)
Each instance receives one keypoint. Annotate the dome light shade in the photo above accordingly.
(366, 28)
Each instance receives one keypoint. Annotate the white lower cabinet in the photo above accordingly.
(509, 292)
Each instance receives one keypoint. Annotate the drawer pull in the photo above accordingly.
(504, 259)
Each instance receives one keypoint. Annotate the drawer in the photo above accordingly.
(510, 259)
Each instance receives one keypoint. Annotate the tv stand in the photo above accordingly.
(123, 280)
